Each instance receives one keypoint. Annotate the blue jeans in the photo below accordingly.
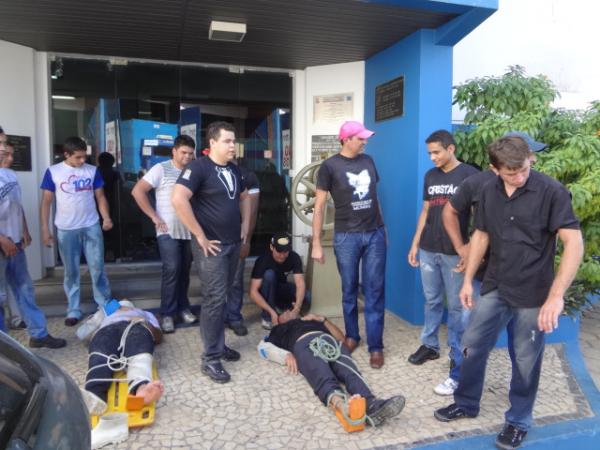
(351, 249)
(15, 277)
(235, 299)
(216, 276)
(70, 245)
(525, 347)
(176, 256)
(280, 295)
(441, 282)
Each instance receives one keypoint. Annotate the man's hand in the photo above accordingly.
(208, 247)
(463, 252)
(8, 247)
(244, 250)
(107, 224)
(317, 253)
(466, 295)
(274, 318)
(160, 225)
(47, 238)
(549, 313)
(291, 364)
(26, 239)
(412, 256)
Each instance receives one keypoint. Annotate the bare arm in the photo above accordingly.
(569, 263)
(331, 327)
(26, 235)
(103, 207)
(256, 297)
(414, 248)
(245, 251)
(300, 291)
(246, 211)
(317, 225)
(181, 202)
(479, 244)
(452, 227)
(140, 194)
(47, 198)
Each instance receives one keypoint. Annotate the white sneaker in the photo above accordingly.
(446, 388)
(111, 429)
(266, 324)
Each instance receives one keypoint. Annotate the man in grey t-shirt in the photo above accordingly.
(172, 236)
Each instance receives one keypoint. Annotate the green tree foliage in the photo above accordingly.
(517, 102)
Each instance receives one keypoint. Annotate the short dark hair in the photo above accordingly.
(184, 140)
(213, 131)
(444, 137)
(1, 130)
(74, 144)
(509, 152)
(105, 159)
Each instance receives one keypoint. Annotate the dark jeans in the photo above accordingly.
(176, 256)
(235, 299)
(216, 276)
(369, 249)
(324, 377)
(525, 347)
(107, 341)
(280, 295)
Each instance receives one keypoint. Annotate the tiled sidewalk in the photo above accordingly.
(266, 408)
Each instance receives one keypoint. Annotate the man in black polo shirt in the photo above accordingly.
(518, 217)
(269, 287)
(209, 199)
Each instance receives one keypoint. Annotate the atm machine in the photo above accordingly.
(143, 144)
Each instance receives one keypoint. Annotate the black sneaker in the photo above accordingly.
(452, 412)
(423, 354)
(71, 321)
(238, 328)
(510, 437)
(215, 371)
(381, 410)
(48, 342)
(230, 354)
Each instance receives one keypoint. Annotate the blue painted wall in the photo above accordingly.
(400, 153)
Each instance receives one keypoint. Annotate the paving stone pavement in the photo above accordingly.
(589, 341)
(266, 408)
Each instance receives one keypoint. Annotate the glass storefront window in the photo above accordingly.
(118, 108)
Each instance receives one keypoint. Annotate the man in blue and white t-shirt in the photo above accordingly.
(172, 236)
(75, 185)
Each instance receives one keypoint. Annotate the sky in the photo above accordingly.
(558, 38)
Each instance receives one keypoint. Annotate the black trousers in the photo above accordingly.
(106, 341)
(326, 377)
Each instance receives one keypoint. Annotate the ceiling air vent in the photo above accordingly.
(226, 31)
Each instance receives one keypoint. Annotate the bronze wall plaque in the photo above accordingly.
(389, 99)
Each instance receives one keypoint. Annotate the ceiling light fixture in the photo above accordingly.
(226, 31)
(63, 97)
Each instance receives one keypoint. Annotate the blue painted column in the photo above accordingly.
(400, 153)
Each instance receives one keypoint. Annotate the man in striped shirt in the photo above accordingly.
(172, 236)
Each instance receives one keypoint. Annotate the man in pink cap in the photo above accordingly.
(351, 177)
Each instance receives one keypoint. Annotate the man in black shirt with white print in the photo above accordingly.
(209, 199)
(519, 216)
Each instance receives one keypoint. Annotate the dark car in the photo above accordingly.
(40, 405)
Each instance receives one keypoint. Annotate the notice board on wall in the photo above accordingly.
(389, 99)
(22, 158)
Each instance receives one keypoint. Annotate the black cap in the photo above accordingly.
(282, 242)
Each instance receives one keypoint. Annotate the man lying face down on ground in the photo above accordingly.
(124, 341)
(294, 342)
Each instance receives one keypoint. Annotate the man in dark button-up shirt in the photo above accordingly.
(519, 216)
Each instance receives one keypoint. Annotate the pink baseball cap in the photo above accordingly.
(353, 128)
